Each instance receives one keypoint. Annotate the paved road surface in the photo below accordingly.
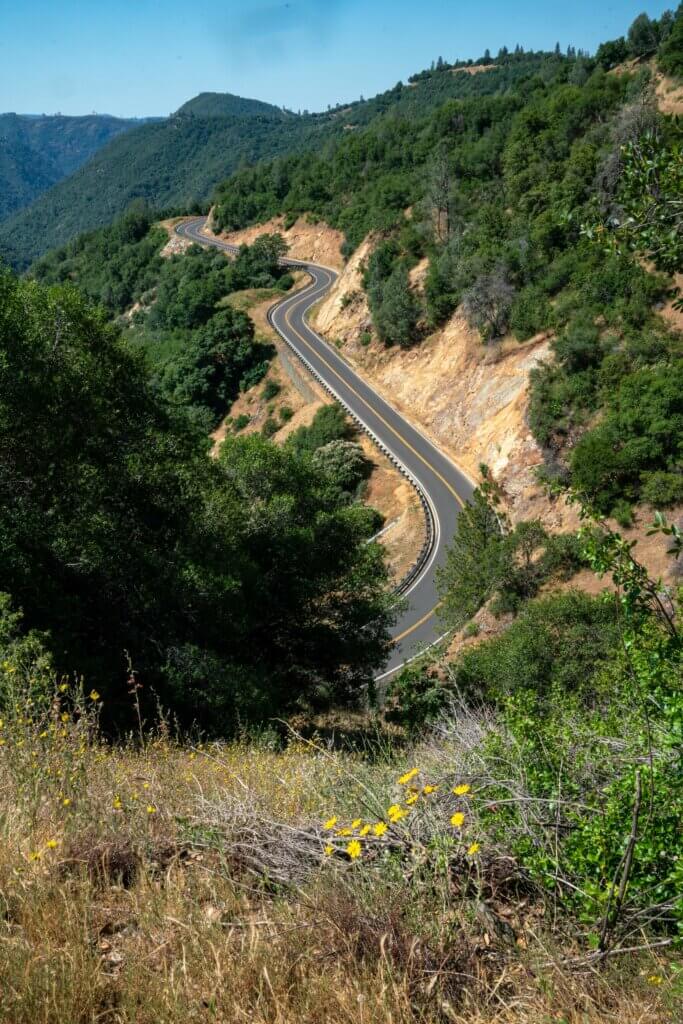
(442, 486)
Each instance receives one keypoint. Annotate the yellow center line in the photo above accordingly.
(415, 625)
(409, 446)
(374, 411)
(425, 618)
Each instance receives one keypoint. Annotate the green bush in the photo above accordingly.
(662, 489)
(531, 312)
(270, 427)
(556, 644)
(271, 389)
(490, 561)
(328, 424)
(241, 421)
(286, 412)
(640, 434)
(623, 513)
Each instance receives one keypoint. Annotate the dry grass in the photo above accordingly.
(156, 882)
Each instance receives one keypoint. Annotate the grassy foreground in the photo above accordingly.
(162, 882)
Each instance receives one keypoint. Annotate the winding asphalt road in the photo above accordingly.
(443, 488)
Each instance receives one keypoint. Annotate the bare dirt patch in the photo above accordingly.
(404, 527)
(475, 69)
(669, 95)
(176, 244)
(306, 240)
(470, 398)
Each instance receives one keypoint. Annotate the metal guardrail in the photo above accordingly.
(430, 532)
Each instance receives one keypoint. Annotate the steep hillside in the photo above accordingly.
(178, 162)
(173, 163)
(37, 152)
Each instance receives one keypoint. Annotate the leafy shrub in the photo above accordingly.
(328, 424)
(271, 389)
(241, 421)
(490, 560)
(639, 434)
(488, 303)
(670, 56)
(531, 312)
(662, 489)
(270, 427)
(345, 466)
(623, 513)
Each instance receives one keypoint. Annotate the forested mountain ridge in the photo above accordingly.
(523, 211)
(175, 164)
(38, 151)
(225, 104)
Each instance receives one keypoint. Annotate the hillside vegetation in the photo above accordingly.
(529, 207)
(37, 152)
(175, 164)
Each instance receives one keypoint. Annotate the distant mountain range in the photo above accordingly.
(175, 164)
(37, 151)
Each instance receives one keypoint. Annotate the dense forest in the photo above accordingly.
(174, 164)
(38, 151)
(248, 580)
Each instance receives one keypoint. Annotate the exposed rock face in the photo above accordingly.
(470, 397)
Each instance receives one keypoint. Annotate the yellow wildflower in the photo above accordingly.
(457, 819)
(364, 831)
(331, 822)
(410, 800)
(429, 789)
(65, 716)
(655, 979)
(394, 809)
(380, 828)
(66, 801)
(405, 779)
(42, 735)
(34, 855)
(353, 849)
(117, 805)
(344, 831)
(462, 789)
(63, 687)
(151, 809)
(473, 850)
(397, 815)
(94, 695)
(51, 844)
(357, 823)
(329, 850)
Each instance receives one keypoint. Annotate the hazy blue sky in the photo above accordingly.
(136, 57)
